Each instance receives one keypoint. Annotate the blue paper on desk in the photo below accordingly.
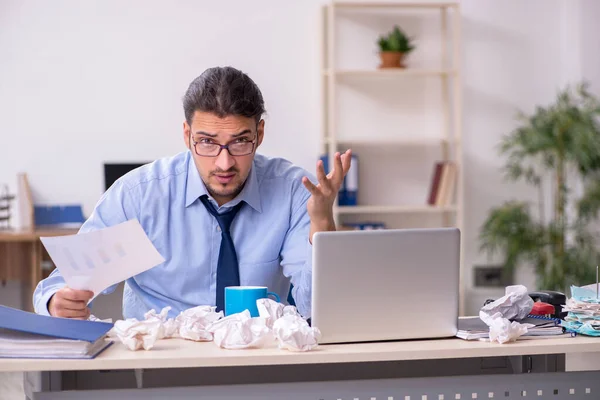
(28, 335)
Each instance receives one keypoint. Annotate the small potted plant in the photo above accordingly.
(393, 48)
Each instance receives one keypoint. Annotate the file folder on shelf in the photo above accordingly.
(67, 216)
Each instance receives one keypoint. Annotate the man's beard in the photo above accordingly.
(224, 191)
(221, 190)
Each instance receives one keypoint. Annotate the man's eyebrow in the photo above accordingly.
(245, 131)
(213, 135)
(206, 134)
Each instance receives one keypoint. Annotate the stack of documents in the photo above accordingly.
(473, 328)
(28, 335)
(583, 311)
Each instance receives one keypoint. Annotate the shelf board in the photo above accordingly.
(393, 209)
(388, 4)
(389, 72)
(392, 142)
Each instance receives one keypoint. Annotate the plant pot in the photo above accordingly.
(391, 59)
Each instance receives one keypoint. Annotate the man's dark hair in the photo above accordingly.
(223, 91)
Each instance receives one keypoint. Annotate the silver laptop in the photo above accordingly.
(390, 284)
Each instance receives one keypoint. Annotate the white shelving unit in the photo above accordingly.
(392, 209)
(358, 73)
(447, 74)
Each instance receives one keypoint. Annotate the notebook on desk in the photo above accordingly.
(473, 328)
(29, 335)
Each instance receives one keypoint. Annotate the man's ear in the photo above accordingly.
(186, 134)
(260, 132)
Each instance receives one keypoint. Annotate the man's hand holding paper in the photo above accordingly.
(92, 262)
(70, 303)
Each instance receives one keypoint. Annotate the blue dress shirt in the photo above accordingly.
(270, 234)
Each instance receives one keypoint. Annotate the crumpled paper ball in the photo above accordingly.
(275, 323)
(193, 323)
(190, 324)
(270, 310)
(167, 328)
(515, 304)
(293, 332)
(240, 331)
(135, 334)
(503, 331)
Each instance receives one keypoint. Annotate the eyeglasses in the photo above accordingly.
(239, 147)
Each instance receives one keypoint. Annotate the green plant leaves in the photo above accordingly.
(589, 204)
(558, 143)
(396, 40)
(511, 230)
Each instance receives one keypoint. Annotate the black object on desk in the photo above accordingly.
(557, 299)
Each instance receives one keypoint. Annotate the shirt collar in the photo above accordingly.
(196, 188)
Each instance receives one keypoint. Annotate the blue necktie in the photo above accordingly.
(228, 273)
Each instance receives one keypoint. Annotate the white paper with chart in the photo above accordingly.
(99, 259)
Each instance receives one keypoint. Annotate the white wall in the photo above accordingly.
(511, 61)
(86, 82)
(82, 83)
(517, 55)
(590, 45)
(94, 81)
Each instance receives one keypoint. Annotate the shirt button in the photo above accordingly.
(218, 228)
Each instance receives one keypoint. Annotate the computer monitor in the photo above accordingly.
(113, 171)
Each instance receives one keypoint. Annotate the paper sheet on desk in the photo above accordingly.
(99, 259)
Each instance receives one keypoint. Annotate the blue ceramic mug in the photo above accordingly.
(240, 298)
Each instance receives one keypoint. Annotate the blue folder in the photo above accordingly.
(60, 328)
(66, 215)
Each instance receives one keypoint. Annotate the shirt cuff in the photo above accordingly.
(42, 305)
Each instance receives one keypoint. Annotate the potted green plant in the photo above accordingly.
(393, 48)
(559, 146)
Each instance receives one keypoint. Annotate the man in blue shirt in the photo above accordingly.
(219, 213)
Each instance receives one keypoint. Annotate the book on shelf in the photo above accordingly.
(443, 184)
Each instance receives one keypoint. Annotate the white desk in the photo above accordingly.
(177, 353)
(226, 374)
